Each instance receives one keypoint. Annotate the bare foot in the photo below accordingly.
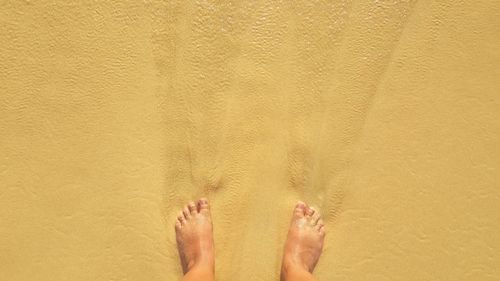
(305, 240)
(194, 235)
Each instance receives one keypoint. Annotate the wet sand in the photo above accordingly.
(382, 116)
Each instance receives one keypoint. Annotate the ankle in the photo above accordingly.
(292, 263)
(201, 266)
(200, 272)
(294, 272)
(292, 267)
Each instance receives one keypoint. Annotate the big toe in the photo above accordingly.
(300, 209)
(315, 217)
(203, 206)
(310, 212)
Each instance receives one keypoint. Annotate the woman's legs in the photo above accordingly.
(195, 243)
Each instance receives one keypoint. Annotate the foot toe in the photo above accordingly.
(203, 205)
(310, 211)
(178, 225)
(322, 230)
(181, 218)
(320, 224)
(300, 208)
(192, 208)
(315, 218)
(186, 213)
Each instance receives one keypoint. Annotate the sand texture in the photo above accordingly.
(385, 115)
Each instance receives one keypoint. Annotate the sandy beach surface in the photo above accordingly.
(384, 115)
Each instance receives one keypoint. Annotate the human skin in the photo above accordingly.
(194, 235)
(195, 243)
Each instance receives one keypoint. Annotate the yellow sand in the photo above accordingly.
(383, 114)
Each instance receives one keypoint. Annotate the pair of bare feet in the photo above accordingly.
(194, 235)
